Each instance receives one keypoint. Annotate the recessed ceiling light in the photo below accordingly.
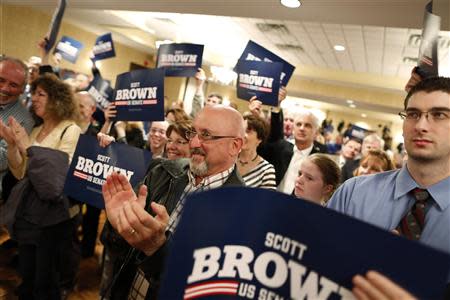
(352, 105)
(350, 101)
(291, 3)
(364, 115)
(339, 48)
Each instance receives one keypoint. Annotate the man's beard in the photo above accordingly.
(198, 169)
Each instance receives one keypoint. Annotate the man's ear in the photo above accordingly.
(236, 146)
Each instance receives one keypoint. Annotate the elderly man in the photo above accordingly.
(285, 157)
(13, 79)
(415, 200)
(215, 145)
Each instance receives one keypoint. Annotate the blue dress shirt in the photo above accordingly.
(383, 199)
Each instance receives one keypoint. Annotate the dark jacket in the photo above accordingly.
(38, 198)
(171, 188)
(278, 151)
(166, 181)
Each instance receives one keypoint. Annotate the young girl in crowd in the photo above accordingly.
(318, 178)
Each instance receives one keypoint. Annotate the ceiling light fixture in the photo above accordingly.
(291, 3)
(352, 105)
(350, 101)
(364, 115)
(339, 48)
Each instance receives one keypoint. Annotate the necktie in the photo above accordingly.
(411, 225)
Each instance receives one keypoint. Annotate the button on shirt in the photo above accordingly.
(383, 199)
(288, 183)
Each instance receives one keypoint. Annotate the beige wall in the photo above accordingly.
(22, 27)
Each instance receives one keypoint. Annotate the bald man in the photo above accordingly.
(13, 79)
(215, 144)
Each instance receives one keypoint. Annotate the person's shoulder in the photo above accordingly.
(175, 168)
(319, 148)
(366, 181)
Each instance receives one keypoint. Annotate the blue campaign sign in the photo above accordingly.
(260, 79)
(69, 49)
(139, 95)
(258, 244)
(102, 91)
(253, 51)
(180, 60)
(356, 132)
(55, 24)
(91, 164)
(104, 47)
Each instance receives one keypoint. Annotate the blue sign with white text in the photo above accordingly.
(69, 48)
(92, 164)
(102, 91)
(180, 60)
(253, 51)
(104, 47)
(260, 79)
(248, 243)
(139, 95)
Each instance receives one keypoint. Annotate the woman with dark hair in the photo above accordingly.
(318, 178)
(41, 218)
(375, 161)
(177, 146)
(256, 171)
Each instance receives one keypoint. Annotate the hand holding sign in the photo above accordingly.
(376, 286)
(126, 213)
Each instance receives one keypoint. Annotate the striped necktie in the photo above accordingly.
(412, 224)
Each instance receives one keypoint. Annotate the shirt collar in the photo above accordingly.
(6, 106)
(439, 191)
(213, 181)
(304, 152)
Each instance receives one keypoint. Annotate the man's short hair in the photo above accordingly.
(373, 137)
(89, 96)
(305, 113)
(429, 85)
(18, 62)
(217, 96)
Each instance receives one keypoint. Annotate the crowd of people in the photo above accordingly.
(212, 146)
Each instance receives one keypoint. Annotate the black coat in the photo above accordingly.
(278, 151)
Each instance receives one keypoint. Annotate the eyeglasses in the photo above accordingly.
(437, 115)
(206, 136)
(177, 142)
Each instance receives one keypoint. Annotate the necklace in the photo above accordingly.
(246, 162)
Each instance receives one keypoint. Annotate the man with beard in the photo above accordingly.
(414, 200)
(143, 219)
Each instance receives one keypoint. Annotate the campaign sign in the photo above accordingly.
(104, 47)
(102, 91)
(428, 50)
(55, 24)
(253, 51)
(139, 95)
(260, 79)
(244, 243)
(69, 49)
(91, 164)
(180, 60)
(356, 132)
